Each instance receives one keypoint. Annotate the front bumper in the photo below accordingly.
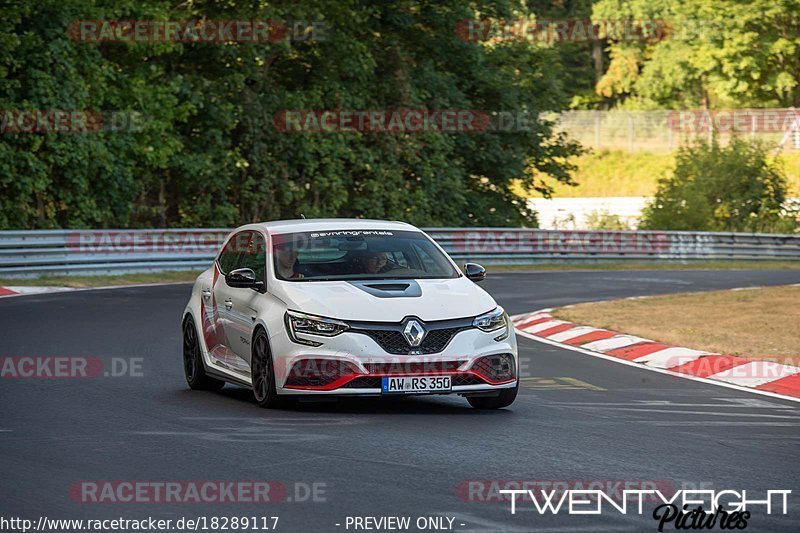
(362, 362)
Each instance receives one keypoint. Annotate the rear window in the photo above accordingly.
(358, 254)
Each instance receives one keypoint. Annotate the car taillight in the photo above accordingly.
(496, 368)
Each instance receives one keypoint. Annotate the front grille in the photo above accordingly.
(365, 382)
(466, 379)
(392, 341)
(373, 382)
(413, 367)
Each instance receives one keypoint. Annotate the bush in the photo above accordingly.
(602, 219)
(722, 188)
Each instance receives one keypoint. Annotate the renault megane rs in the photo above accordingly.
(346, 307)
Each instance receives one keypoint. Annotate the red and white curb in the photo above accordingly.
(765, 377)
(18, 291)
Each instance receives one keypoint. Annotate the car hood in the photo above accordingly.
(438, 299)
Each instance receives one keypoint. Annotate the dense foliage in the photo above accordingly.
(711, 54)
(205, 150)
(722, 188)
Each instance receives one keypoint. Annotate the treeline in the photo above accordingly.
(172, 132)
(707, 54)
(184, 133)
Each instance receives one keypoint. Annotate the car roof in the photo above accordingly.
(330, 224)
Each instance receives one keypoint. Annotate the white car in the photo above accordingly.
(346, 307)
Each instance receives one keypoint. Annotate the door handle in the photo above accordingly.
(206, 294)
(228, 304)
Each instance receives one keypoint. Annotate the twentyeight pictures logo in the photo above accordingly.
(685, 509)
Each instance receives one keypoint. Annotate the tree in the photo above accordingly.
(721, 188)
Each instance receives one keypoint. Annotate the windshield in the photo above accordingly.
(358, 254)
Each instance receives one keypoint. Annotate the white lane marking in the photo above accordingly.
(286, 421)
(767, 436)
(572, 333)
(649, 280)
(755, 373)
(734, 403)
(671, 357)
(245, 436)
(711, 413)
(281, 463)
(545, 325)
(707, 381)
(612, 343)
(726, 423)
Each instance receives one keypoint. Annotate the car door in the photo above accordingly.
(216, 300)
(243, 304)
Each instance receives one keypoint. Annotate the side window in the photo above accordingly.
(229, 256)
(255, 255)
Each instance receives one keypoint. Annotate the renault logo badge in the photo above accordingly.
(414, 333)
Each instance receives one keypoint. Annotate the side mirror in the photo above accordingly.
(475, 272)
(243, 278)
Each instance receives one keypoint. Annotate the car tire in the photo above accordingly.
(504, 399)
(262, 373)
(193, 367)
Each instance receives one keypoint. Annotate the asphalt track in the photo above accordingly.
(578, 418)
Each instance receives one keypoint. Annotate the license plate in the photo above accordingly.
(411, 384)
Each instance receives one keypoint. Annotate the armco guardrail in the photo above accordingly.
(88, 252)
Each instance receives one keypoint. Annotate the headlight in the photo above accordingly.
(312, 325)
(493, 321)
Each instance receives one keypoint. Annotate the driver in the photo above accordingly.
(286, 255)
(375, 262)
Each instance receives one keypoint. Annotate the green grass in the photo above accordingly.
(177, 277)
(606, 173)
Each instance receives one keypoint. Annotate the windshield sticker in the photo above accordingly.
(350, 233)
